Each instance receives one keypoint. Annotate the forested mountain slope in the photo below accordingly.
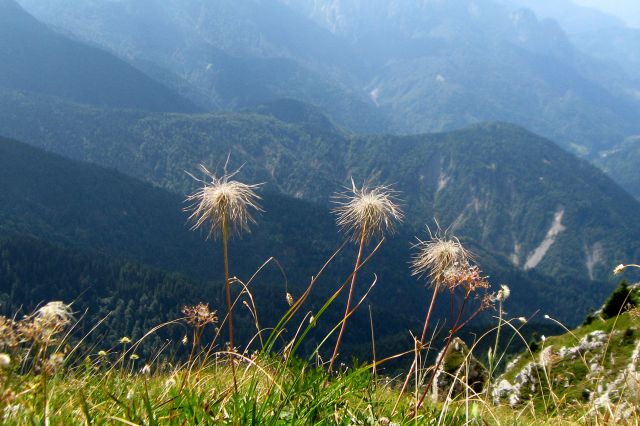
(36, 59)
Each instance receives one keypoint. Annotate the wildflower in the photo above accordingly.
(439, 257)
(5, 360)
(102, 353)
(125, 340)
(503, 293)
(146, 370)
(199, 315)
(543, 338)
(365, 213)
(618, 269)
(134, 357)
(222, 202)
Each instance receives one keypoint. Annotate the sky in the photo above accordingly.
(627, 10)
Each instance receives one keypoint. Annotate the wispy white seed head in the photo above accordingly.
(503, 293)
(546, 316)
(222, 201)
(146, 370)
(368, 212)
(55, 312)
(522, 319)
(618, 269)
(438, 257)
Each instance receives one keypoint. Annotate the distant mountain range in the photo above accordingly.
(549, 224)
(387, 66)
(506, 189)
(37, 59)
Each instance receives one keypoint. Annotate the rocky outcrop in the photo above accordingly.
(460, 372)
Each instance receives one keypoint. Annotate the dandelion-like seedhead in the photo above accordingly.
(221, 200)
(199, 315)
(373, 211)
(45, 323)
(56, 313)
(438, 258)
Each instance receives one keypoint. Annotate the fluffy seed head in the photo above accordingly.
(438, 257)
(5, 360)
(618, 269)
(56, 312)
(373, 211)
(221, 200)
(503, 293)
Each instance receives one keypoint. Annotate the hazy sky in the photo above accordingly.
(627, 10)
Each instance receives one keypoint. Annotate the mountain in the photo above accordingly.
(224, 54)
(76, 231)
(384, 66)
(509, 191)
(36, 59)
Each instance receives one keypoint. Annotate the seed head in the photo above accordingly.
(372, 211)
(5, 360)
(439, 257)
(618, 269)
(503, 293)
(199, 315)
(221, 200)
(55, 313)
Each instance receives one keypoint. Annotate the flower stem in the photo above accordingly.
(414, 365)
(225, 238)
(363, 238)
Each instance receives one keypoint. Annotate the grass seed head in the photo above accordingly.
(372, 210)
(222, 199)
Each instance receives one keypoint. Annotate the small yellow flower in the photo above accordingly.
(125, 340)
(134, 357)
(102, 353)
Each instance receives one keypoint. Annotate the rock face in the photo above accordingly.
(599, 364)
(460, 371)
